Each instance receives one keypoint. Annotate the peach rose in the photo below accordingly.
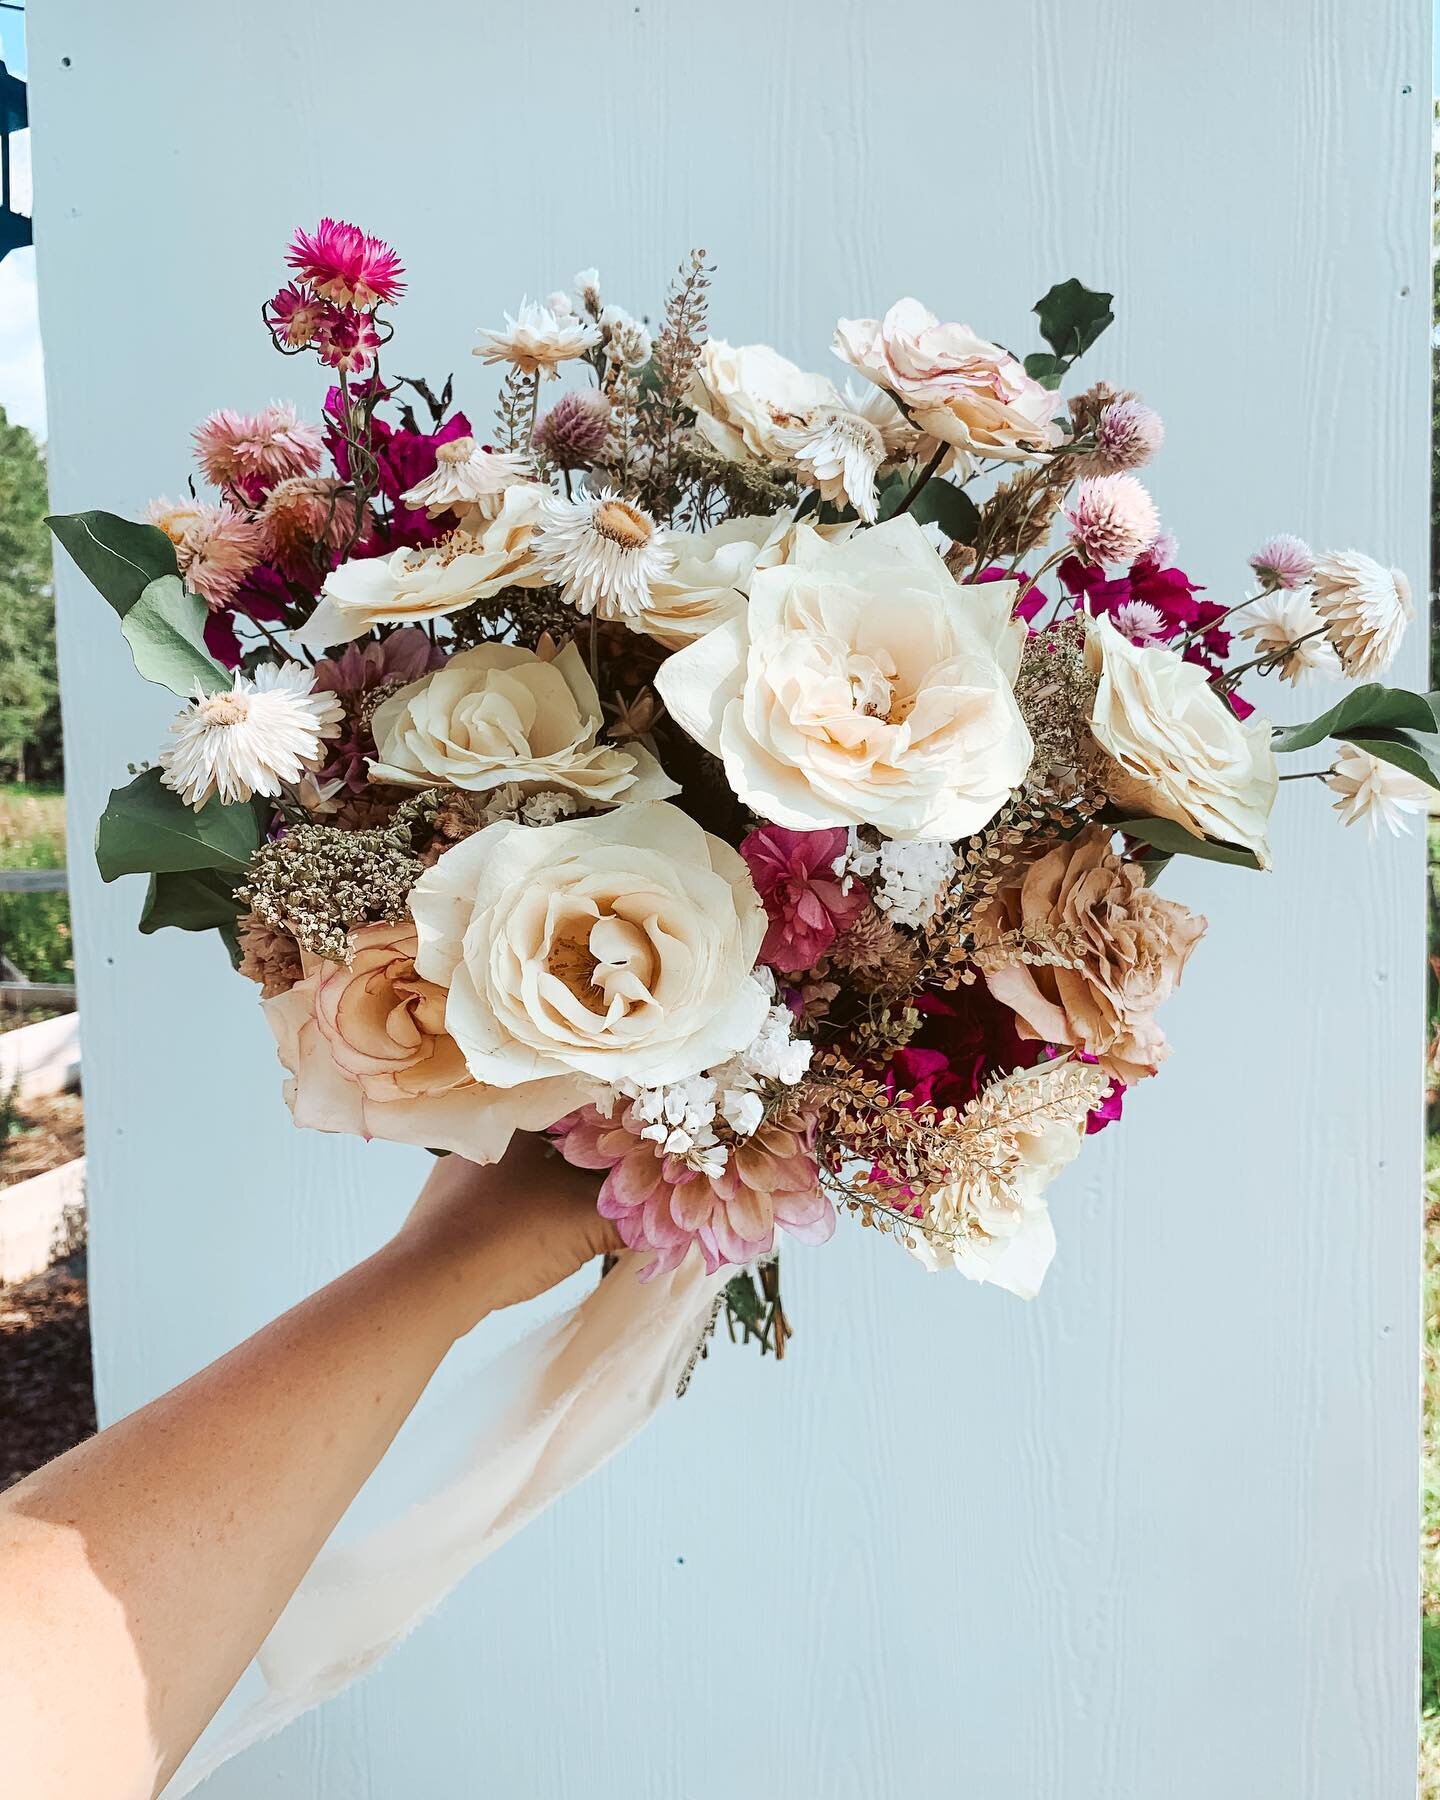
(368, 1053)
(1118, 949)
(954, 385)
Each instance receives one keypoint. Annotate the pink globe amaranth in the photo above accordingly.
(659, 1203)
(804, 899)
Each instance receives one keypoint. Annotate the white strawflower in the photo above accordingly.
(1375, 791)
(466, 476)
(587, 286)
(256, 737)
(559, 303)
(537, 340)
(841, 449)
(1365, 608)
(1285, 620)
(604, 553)
(907, 879)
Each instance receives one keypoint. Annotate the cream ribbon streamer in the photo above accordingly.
(553, 1408)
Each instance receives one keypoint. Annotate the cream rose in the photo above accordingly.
(411, 585)
(707, 583)
(499, 714)
(1178, 750)
(368, 1054)
(747, 397)
(954, 385)
(862, 686)
(619, 946)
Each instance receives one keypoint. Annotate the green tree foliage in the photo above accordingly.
(29, 684)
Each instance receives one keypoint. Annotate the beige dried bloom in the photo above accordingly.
(268, 956)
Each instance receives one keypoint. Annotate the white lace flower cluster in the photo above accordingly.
(907, 880)
(681, 1116)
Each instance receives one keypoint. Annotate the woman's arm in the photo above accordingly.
(140, 1573)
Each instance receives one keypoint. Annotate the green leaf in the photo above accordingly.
(948, 506)
(1175, 840)
(1071, 317)
(165, 630)
(1045, 368)
(1372, 707)
(1417, 752)
(190, 900)
(119, 557)
(149, 830)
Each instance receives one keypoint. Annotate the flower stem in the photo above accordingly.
(920, 480)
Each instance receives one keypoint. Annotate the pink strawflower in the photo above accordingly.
(1112, 518)
(347, 265)
(1284, 561)
(574, 431)
(247, 453)
(295, 314)
(307, 520)
(217, 552)
(1127, 434)
(794, 874)
(347, 341)
(660, 1203)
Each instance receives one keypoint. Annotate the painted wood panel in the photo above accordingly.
(1154, 1533)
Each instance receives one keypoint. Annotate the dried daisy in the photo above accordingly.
(255, 737)
(604, 553)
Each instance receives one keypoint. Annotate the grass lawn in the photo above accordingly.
(35, 928)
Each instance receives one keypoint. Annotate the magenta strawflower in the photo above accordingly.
(347, 341)
(295, 314)
(794, 875)
(250, 452)
(1284, 561)
(660, 1203)
(347, 265)
(1112, 519)
(1127, 435)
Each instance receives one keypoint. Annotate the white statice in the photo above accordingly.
(907, 879)
(467, 479)
(256, 737)
(605, 554)
(1283, 623)
(1376, 792)
(537, 341)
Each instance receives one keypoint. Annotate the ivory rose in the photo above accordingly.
(1178, 751)
(862, 685)
(499, 714)
(747, 397)
(367, 1051)
(954, 385)
(411, 585)
(1119, 950)
(707, 583)
(618, 946)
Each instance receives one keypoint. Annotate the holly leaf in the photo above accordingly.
(190, 900)
(147, 829)
(165, 630)
(1364, 709)
(117, 556)
(1071, 317)
(949, 507)
(1175, 840)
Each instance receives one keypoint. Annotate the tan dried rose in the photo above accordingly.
(368, 1054)
(1083, 952)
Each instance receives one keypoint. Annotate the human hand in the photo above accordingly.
(493, 1236)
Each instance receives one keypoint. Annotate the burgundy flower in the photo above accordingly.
(794, 874)
(403, 459)
(262, 595)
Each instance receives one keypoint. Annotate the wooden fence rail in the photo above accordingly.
(33, 881)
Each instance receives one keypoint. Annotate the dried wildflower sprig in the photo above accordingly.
(665, 414)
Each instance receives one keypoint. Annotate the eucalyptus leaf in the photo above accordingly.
(165, 630)
(119, 557)
(1071, 317)
(949, 507)
(1175, 840)
(147, 829)
(190, 900)
(1372, 707)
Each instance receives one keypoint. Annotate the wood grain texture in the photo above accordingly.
(1154, 1534)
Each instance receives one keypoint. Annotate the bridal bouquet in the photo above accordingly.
(762, 781)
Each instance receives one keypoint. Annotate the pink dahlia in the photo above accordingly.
(660, 1203)
(217, 552)
(404, 656)
(249, 452)
(1112, 519)
(794, 874)
(345, 264)
(347, 341)
(295, 314)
